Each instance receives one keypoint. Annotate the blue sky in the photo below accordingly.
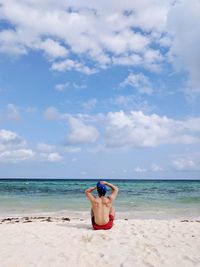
(99, 89)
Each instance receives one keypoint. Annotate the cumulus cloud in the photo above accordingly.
(10, 139)
(140, 130)
(51, 113)
(156, 168)
(183, 23)
(79, 86)
(43, 147)
(77, 29)
(51, 157)
(52, 48)
(138, 81)
(90, 104)
(134, 128)
(13, 113)
(13, 147)
(80, 133)
(74, 37)
(61, 87)
(15, 156)
(71, 149)
(131, 102)
(10, 43)
(69, 64)
(185, 164)
(139, 169)
(47, 152)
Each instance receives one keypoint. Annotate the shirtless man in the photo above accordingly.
(102, 212)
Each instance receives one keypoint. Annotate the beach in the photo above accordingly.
(46, 223)
(64, 241)
(99, 129)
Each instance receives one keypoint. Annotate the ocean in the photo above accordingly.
(137, 198)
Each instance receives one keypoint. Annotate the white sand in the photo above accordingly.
(130, 243)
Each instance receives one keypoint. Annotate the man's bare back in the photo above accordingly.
(101, 206)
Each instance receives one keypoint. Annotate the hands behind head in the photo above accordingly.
(103, 182)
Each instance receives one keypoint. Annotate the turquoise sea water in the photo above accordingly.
(137, 198)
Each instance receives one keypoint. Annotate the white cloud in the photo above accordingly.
(138, 81)
(13, 147)
(83, 173)
(152, 59)
(185, 164)
(31, 109)
(54, 157)
(69, 64)
(90, 104)
(127, 129)
(80, 133)
(52, 48)
(76, 86)
(193, 124)
(43, 147)
(62, 87)
(46, 152)
(77, 29)
(10, 43)
(183, 23)
(125, 41)
(51, 113)
(79, 86)
(72, 149)
(165, 41)
(140, 130)
(131, 102)
(139, 169)
(156, 168)
(128, 60)
(15, 156)
(13, 113)
(10, 139)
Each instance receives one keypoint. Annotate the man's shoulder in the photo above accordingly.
(109, 198)
(95, 199)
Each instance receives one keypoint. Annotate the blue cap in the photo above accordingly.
(101, 188)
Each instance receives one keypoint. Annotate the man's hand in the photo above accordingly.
(114, 188)
(89, 190)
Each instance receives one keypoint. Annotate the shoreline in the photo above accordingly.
(82, 216)
(120, 215)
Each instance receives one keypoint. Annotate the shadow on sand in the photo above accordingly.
(77, 226)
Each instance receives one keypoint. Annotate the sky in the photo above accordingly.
(100, 89)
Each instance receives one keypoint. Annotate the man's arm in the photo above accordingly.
(114, 188)
(88, 193)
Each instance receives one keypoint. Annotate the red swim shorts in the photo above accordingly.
(104, 226)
